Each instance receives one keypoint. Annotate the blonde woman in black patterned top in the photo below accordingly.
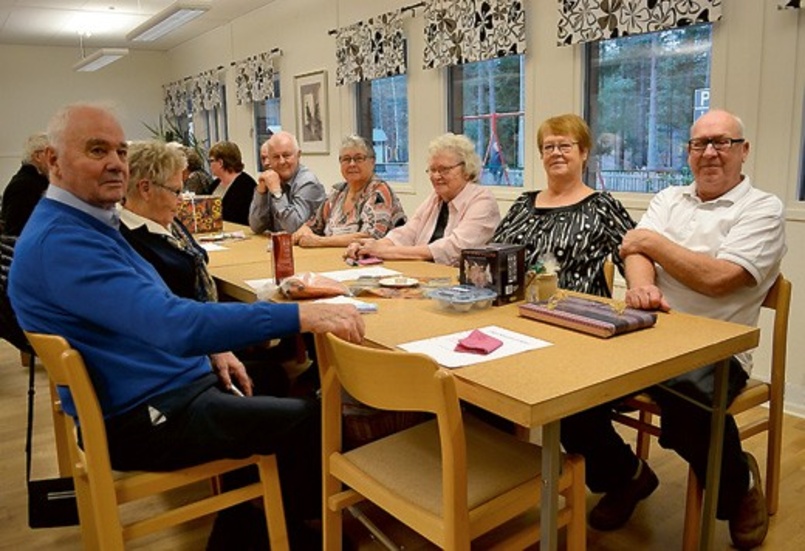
(580, 227)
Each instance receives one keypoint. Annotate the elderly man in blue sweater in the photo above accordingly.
(146, 349)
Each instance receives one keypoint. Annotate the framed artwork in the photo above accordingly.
(312, 117)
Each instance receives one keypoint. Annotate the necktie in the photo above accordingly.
(441, 223)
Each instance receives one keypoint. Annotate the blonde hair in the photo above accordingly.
(154, 161)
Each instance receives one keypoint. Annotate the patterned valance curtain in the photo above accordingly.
(463, 31)
(254, 78)
(205, 90)
(792, 4)
(370, 49)
(174, 97)
(591, 20)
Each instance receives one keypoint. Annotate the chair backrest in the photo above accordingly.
(66, 368)
(402, 381)
(609, 274)
(9, 327)
(779, 299)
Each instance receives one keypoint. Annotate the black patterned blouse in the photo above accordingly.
(580, 236)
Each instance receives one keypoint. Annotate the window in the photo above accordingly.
(487, 103)
(643, 94)
(211, 126)
(383, 119)
(267, 119)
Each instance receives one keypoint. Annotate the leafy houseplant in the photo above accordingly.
(168, 131)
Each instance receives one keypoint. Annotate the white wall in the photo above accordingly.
(758, 72)
(38, 80)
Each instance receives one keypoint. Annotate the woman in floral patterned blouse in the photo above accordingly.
(361, 206)
(568, 220)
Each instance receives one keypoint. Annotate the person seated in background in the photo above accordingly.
(197, 179)
(26, 187)
(361, 206)
(568, 221)
(287, 193)
(459, 214)
(147, 350)
(234, 186)
(712, 248)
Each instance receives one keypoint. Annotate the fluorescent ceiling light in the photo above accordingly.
(168, 20)
(100, 58)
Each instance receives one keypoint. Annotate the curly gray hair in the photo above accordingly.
(461, 146)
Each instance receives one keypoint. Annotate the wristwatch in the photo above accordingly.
(277, 194)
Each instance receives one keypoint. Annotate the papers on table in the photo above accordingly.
(442, 349)
(210, 247)
(356, 273)
(258, 284)
(363, 307)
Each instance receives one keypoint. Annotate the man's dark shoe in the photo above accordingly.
(616, 507)
(750, 523)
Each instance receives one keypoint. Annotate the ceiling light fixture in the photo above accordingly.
(99, 59)
(168, 20)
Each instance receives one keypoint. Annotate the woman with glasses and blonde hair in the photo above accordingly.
(361, 206)
(568, 221)
(459, 214)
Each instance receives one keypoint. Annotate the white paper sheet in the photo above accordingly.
(442, 349)
(363, 307)
(365, 271)
(258, 284)
(210, 247)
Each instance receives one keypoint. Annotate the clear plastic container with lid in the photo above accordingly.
(462, 298)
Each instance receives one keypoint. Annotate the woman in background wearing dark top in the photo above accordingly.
(234, 186)
(148, 223)
(197, 180)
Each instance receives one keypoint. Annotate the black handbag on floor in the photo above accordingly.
(51, 501)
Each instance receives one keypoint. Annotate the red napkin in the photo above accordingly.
(478, 343)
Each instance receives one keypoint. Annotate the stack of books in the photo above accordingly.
(602, 319)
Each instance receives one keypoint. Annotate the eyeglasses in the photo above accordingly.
(441, 170)
(281, 157)
(563, 147)
(212, 160)
(357, 159)
(719, 144)
(175, 192)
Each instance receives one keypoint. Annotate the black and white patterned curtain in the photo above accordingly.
(792, 4)
(205, 91)
(370, 49)
(591, 20)
(463, 31)
(254, 78)
(174, 97)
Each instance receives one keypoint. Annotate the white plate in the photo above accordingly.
(399, 281)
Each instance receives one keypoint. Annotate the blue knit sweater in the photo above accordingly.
(76, 277)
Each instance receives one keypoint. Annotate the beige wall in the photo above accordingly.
(38, 80)
(758, 72)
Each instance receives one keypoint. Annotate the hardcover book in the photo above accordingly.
(601, 319)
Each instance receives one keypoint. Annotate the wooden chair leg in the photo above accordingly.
(272, 501)
(773, 457)
(693, 513)
(575, 497)
(643, 438)
(61, 433)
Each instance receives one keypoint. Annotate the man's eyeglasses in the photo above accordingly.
(719, 144)
(563, 147)
(357, 159)
(441, 170)
(281, 157)
(176, 192)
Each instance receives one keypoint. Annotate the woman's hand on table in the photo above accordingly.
(303, 232)
(228, 367)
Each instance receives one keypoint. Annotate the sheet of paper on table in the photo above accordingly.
(442, 349)
(363, 307)
(356, 273)
(210, 247)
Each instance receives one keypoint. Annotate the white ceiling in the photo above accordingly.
(58, 22)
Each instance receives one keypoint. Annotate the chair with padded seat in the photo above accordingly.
(449, 479)
(101, 492)
(756, 393)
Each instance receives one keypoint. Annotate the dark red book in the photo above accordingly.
(601, 319)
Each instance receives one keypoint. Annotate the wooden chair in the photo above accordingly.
(756, 393)
(100, 492)
(449, 480)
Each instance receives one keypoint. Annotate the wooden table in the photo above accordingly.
(540, 387)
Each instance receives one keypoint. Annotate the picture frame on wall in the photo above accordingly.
(312, 116)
